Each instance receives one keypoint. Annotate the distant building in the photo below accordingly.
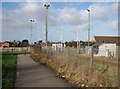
(5, 44)
(57, 46)
(107, 50)
(106, 39)
(106, 45)
(85, 43)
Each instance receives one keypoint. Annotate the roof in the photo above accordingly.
(5, 44)
(106, 38)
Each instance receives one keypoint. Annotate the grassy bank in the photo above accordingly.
(77, 70)
(8, 70)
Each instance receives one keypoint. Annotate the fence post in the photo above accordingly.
(91, 58)
(14, 49)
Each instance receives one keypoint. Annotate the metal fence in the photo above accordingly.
(75, 54)
(68, 55)
(15, 50)
(74, 59)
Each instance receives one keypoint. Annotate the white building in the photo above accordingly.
(106, 46)
(57, 46)
(107, 50)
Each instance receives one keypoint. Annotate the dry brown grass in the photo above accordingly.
(79, 76)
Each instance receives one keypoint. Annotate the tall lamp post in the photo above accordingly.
(46, 27)
(61, 38)
(77, 34)
(90, 51)
(32, 20)
(88, 28)
(38, 35)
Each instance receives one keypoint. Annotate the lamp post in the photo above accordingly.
(61, 38)
(77, 34)
(46, 27)
(38, 35)
(32, 20)
(88, 28)
(90, 51)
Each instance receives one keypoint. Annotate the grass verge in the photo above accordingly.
(8, 71)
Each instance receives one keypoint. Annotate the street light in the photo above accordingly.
(61, 38)
(77, 35)
(32, 20)
(38, 35)
(88, 28)
(90, 51)
(46, 28)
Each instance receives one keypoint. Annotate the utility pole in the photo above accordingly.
(46, 28)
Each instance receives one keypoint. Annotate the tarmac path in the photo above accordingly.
(32, 74)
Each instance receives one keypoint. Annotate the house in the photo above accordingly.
(106, 45)
(107, 50)
(5, 44)
(106, 39)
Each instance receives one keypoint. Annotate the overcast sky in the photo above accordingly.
(67, 17)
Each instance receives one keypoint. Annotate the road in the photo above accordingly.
(32, 74)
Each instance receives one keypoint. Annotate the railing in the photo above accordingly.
(70, 59)
(70, 52)
(15, 50)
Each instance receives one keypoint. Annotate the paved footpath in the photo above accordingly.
(32, 74)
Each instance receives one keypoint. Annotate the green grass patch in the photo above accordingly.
(8, 70)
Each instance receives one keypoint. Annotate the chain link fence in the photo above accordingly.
(79, 60)
(79, 56)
